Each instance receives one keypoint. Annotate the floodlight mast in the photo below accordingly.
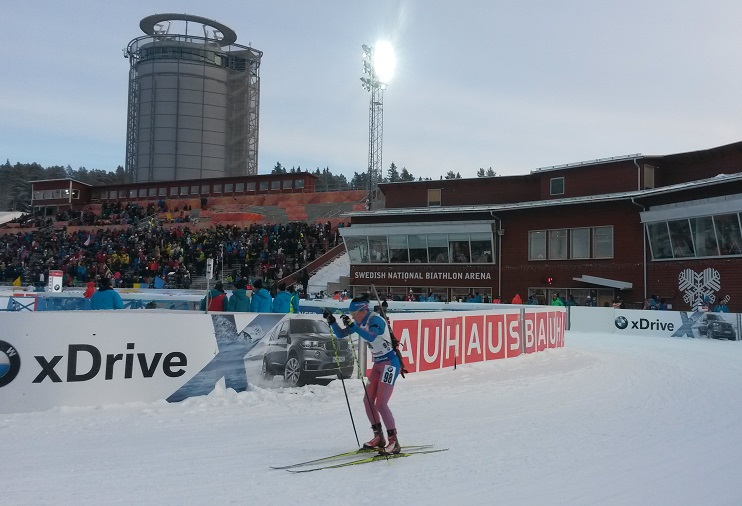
(373, 85)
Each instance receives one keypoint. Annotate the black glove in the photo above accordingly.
(346, 321)
(328, 316)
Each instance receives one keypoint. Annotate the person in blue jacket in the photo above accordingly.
(261, 299)
(106, 297)
(372, 328)
(239, 302)
(282, 300)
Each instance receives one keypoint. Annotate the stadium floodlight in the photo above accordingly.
(378, 65)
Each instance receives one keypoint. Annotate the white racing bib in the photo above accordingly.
(390, 372)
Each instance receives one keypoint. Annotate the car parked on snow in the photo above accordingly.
(302, 349)
(714, 326)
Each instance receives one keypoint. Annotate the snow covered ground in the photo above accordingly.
(606, 420)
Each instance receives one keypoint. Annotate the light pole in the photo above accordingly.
(378, 65)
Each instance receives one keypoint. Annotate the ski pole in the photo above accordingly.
(340, 375)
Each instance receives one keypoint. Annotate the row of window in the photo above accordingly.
(705, 236)
(55, 194)
(570, 243)
(200, 189)
(421, 248)
(168, 52)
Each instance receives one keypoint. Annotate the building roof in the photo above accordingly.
(589, 199)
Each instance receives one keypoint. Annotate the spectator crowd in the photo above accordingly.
(152, 254)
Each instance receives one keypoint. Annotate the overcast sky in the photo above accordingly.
(514, 86)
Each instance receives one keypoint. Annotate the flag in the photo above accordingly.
(159, 282)
(88, 240)
(17, 282)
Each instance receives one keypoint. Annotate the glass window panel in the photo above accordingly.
(580, 243)
(275, 185)
(205, 189)
(132, 193)
(680, 238)
(194, 190)
(250, 187)
(558, 244)
(728, 233)
(240, 187)
(357, 249)
(556, 186)
(151, 192)
(184, 190)
(264, 185)
(142, 192)
(418, 248)
(459, 248)
(659, 240)
(481, 247)
(434, 197)
(603, 242)
(228, 187)
(161, 192)
(438, 248)
(298, 183)
(537, 245)
(398, 249)
(217, 188)
(378, 249)
(704, 236)
(174, 191)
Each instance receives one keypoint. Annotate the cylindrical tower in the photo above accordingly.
(194, 101)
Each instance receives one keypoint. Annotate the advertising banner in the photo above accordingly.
(676, 324)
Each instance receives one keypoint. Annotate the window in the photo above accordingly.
(558, 244)
(704, 236)
(56, 194)
(217, 188)
(434, 198)
(357, 249)
(194, 189)
(205, 189)
(286, 185)
(556, 186)
(132, 193)
(680, 238)
(162, 192)
(275, 185)
(603, 242)
(142, 192)
(418, 245)
(537, 245)
(659, 240)
(263, 186)
(47, 194)
(151, 192)
(579, 243)
(298, 183)
(378, 251)
(458, 244)
(438, 248)
(648, 176)
(250, 187)
(398, 249)
(174, 191)
(38, 195)
(728, 234)
(228, 187)
(184, 190)
(239, 187)
(481, 247)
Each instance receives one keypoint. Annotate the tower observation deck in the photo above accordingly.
(194, 101)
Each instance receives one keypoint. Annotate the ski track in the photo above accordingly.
(605, 420)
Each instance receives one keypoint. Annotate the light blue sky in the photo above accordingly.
(482, 83)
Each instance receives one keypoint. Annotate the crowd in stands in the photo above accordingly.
(173, 256)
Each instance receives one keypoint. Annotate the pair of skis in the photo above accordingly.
(354, 458)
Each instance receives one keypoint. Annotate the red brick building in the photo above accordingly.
(627, 226)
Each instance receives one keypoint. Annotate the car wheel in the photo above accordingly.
(710, 334)
(265, 372)
(293, 372)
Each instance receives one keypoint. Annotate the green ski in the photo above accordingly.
(341, 456)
